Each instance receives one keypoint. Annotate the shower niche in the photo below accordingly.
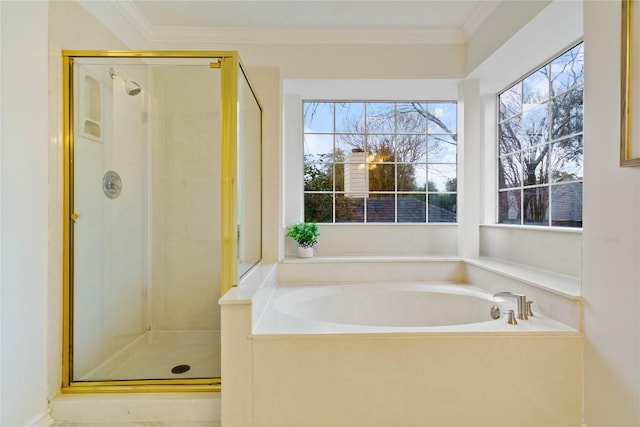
(162, 213)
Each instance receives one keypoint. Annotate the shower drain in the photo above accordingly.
(180, 369)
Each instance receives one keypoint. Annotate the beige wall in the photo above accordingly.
(347, 61)
(33, 34)
(23, 214)
(611, 236)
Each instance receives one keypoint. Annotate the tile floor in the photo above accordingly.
(141, 424)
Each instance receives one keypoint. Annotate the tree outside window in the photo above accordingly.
(540, 123)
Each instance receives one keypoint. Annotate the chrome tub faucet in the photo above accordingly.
(522, 303)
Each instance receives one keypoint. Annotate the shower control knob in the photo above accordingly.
(111, 184)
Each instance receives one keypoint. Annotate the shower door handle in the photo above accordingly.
(74, 216)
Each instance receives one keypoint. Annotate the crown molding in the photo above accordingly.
(297, 35)
(118, 21)
(269, 35)
(130, 11)
(479, 15)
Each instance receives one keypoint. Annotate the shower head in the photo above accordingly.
(132, 88)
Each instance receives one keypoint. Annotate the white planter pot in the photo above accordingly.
(305, 252)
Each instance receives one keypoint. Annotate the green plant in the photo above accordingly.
(305, 233)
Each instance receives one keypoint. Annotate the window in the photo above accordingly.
(540, 145)
(379, 162)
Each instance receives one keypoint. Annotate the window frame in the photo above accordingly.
(549, 185)
(365, 134)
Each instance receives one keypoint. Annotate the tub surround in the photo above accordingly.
(240, 309)
(424, 267)
(329, 269)
(408, 381)
(440, 378)
(254, 288)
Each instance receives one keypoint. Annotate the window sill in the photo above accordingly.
(319, 259)
(541, 228)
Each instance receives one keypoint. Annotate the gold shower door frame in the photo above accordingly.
(231, 69)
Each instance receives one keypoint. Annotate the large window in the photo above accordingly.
(540, 145)
(380, 162)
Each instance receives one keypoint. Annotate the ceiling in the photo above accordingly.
(295, 20)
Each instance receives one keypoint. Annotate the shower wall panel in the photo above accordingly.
(186, 199)
(126, 229)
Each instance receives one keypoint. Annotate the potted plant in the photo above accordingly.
(306, 234)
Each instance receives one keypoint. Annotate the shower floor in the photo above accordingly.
(156, 353)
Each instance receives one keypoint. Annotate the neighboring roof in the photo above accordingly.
(410, 209)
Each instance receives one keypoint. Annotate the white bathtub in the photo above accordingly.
(407, 354)
(402, 354)
(391, 308)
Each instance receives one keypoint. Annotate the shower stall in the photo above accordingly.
(162, 213)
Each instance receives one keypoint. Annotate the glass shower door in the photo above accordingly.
(146, 220)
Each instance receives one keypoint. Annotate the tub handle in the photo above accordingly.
(529, 312)
(495, 312)
(511, 317)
